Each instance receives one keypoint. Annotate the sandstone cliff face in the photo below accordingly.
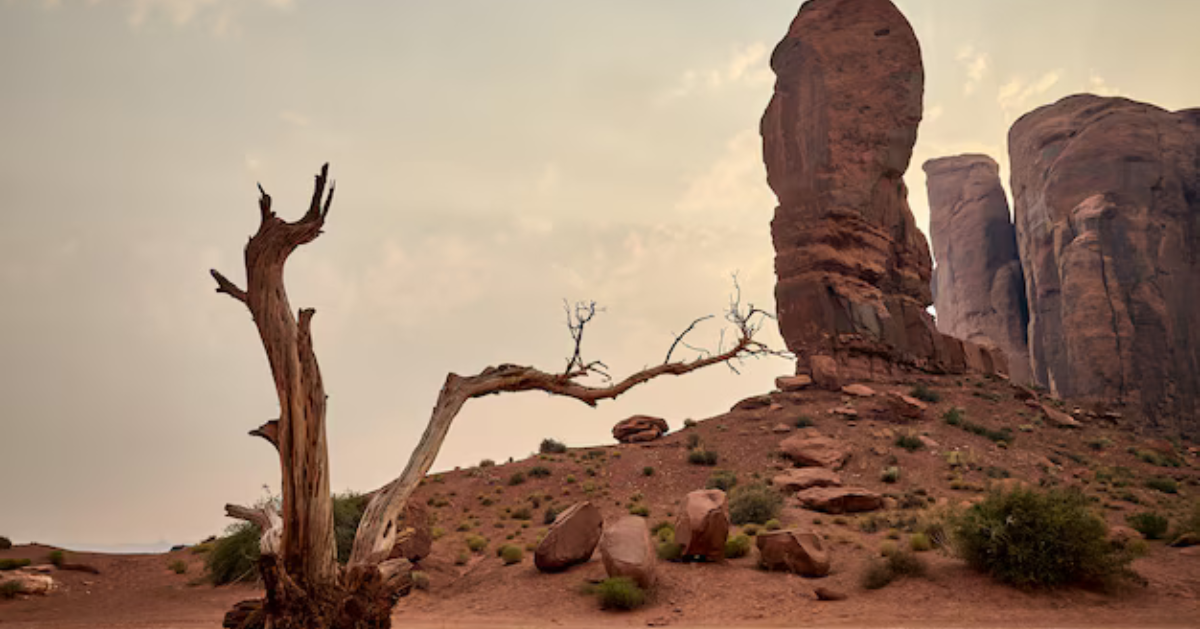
(853, 270)
(1107, 204)
(978, 286)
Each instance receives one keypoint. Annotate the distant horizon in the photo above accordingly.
(491, 160)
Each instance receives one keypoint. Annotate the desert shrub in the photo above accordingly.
(737, 546)
(670, 551)
(620, 593)
(552, 446)
(58, 558)
(522, 513)
(804, 421)
(912, 443)
(693, 441)
(1163, 484)
(1151, 525)
(487, 463)
(10, 589)
(178, 566)
(462, 558)
(647, 471)
(890, 475)
(889, 548)
(570, 479)
(919, 542)
(1192, 523)
(539, 471)
(1100, 443)
(420, 579)
(551, 514)
(925, 394)
(688, 423)
(721, 479)
(348, 510)
(1030, 538)
(437, 533)
(476, 543)
(641, 510)
(13, 564)
(234, 557)
(898, 564)
(755, 503)
(953, 417)
(700, 456)
(5, 543)
(774, 525)
(750, 529)
(463, 526)
(516, 479)
(510, 554)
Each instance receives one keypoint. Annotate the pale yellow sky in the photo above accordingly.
(491, 159)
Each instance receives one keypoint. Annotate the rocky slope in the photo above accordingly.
(1107, 209)
(978, 286)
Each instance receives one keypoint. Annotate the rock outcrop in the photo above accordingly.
(808, 450)
(793, 551)
(840, 499)
(1106, 193)
(703, 524)
(639, 428)
(571, 539)
(806, 477)
(978, 287)
(420, 544)
(853, 271)
(628, 551)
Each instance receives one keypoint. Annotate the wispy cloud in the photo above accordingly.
(219, 16)
(1100, 87)
(1017, 95)
(976, 65)
(746, 66)
(733, 186)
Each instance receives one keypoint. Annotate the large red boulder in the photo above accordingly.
(840, 499)
(628, 550)
(571, 539)
(806, 450)
(703, 524)
(793, 551)
(806, 477)
(639, 428)
(420, 544)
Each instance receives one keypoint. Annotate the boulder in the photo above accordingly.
(27, 582)
(1106, 192)
(904, 408)
(571, 539)
(627, 550)
(827, 594)
(845, 412)
(703, 524)
(978, 285)
(639, 428)
(793, 383)
(805, 477)
(825, 372)
(815, 451)
(418, 546)
(858, 390)
(754, 403)
(837, 500)
(795, 551)
(780, 429)
(1059, 418)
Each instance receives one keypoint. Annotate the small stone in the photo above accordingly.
(858, 390)
(826, 594)
(781, 428)
(793, 383)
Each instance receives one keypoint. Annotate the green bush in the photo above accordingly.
(953, 417)
(700, 456)
(476, 543)
(178, 566)
(1030, 538)
(689, 423)
(721, 479)
(5, 543)
(693, 441)
(647, 471)
(737, 546)
(640, 510)
(13, 564)
(774, 525)
(804, 421)
(1163, 484)
(925, 394)
(912, 443)
(919, 542)
(462, 558)
(898, 564)
(620, 593)
(58, 558)
(670, 551)
(551, 514)
(234, 557)
(755, 503)
(551, 446)
(1150, 525)
(890, 475)
(348, 510)
(517, 478)
(539, 471)
(420, 579)
(487, 463)
(510, 554)
(10, 589)
(522, 513)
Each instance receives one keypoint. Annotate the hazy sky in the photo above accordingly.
(492, 158)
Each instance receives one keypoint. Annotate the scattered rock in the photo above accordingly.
(781, 428)
(835, 500)
(845, 412)
(826, 594)
(806, 451)
(799, 479)
(27, 582)
(703, 524)
(628, 551)
(905, 408)
(775, 407)
(825, 372)
(793, 383)
(1187, 539)
(1059, 418)
(753, 403)
(639, 428)
(571, 539)
(858, 390)
(927, 441)
(793, 551)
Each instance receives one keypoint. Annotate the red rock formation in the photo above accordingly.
(853, 269)
(1106, 194)
(978, 287)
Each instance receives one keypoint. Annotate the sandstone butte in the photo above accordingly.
(1106, 195)
(853, 271)
(978, 286)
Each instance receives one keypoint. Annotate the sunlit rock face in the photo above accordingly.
(853, 271)
(1106, 195)
(978, 287)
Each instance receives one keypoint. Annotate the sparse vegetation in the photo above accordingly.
(234, 557)
(890, 475)
(774, 524)
(693, 441)
(955, 417)
(620, 593)
(804, 421)
(13, 564)
(919, 542)
(551, 514)
(5, 543)
(1100, 443)
(689, 423)
(1151, 525)
(476, 543)
(522, 513)
(925, 394)
(640, 510)
(670, 551)
(724, 480)
(58, 558)
(1031, 538)
(420, 580)
(755, 503)
(647, 471)
(1163, 484)
(516, 479)
(898, 564)
(487, 463)
(737, 546)
(10, 589)
(539, 471)
(348, 510)
(510, 554)
(701, 456)
(910, 442)
(551, 446)
(178, 566)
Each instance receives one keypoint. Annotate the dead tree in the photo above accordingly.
(305, 586)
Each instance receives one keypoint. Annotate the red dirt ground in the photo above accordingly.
(140, 591)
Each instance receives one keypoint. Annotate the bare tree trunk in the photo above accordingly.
(306, 589)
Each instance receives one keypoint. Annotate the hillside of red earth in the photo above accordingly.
(957, 463)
